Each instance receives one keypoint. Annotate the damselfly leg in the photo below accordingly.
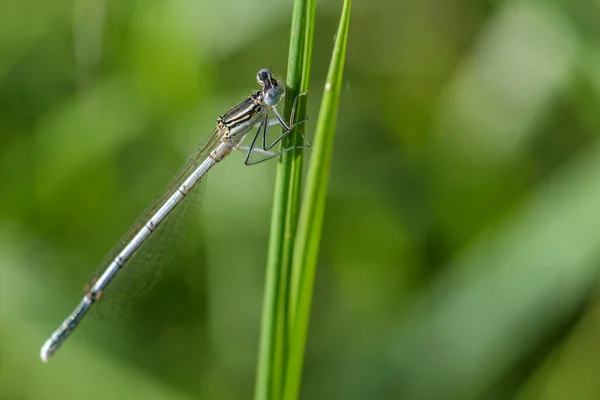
(258, 152)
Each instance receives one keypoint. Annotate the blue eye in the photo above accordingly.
(273, 95)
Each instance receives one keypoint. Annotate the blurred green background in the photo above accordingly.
(461, 244)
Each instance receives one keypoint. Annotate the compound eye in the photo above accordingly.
(273, 95)
(263, 76)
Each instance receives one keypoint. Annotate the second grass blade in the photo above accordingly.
(272, 357)
(308, 235)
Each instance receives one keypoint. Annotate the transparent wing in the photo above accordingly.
(156, 254)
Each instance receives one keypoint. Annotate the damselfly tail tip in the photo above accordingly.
(46, 352)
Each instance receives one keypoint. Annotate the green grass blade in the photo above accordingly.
(274, 327)
(313, 209)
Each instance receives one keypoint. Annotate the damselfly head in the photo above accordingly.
(272, 91)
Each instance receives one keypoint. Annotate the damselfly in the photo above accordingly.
(228, 135)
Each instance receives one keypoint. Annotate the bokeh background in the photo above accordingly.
(461, 244)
